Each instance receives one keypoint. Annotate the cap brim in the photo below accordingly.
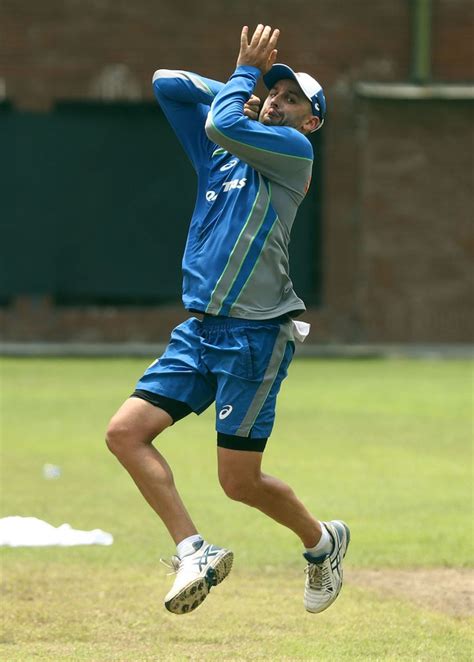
(281, 71)
(276, 73)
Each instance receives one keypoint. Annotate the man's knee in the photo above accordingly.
(119, 436)
(239, 488)
(122, 436)
(136, 423)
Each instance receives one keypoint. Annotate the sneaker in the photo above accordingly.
(196, 574)
(324, 575)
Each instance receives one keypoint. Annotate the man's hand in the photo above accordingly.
(261, 51)
(252, 108)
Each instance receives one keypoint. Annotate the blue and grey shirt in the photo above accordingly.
(251, 180)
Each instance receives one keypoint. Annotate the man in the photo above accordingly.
(252, 175)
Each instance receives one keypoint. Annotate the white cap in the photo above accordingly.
(309, 86)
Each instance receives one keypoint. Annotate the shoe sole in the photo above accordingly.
(347, 533)
(191, 596)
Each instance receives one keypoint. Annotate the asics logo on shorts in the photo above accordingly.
(225, 411)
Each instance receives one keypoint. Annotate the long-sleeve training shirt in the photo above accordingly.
(251, 180)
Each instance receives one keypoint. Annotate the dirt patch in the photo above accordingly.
(449, 590)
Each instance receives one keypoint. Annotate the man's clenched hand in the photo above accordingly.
(252, 108)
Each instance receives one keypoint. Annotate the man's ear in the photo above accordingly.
(311, 124)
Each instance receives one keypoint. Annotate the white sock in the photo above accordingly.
(324, 545)
(186, 546)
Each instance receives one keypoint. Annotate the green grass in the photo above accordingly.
(383, 444)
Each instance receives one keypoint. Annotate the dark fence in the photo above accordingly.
(96, 202)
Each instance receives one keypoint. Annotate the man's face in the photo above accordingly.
(286, 105)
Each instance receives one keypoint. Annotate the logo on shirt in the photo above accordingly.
(211, 196)
(225, 411)
(234, 183)
(229, 165)
(227, 186)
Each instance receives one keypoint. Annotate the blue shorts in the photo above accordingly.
(237, 363)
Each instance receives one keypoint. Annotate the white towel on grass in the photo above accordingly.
(33, 532)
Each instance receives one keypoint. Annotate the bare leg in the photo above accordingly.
(241, 478)
(129, 436)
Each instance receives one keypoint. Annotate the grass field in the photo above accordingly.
(385, 445)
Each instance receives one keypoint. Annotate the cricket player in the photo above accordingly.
(254, 168)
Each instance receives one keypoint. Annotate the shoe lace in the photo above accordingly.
(172, 564)
(319, 575)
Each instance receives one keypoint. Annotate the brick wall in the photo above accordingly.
(61, 48)
(453, 42)
(71, 49)
(414, 270)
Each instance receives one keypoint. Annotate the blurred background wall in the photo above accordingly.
(97, 194)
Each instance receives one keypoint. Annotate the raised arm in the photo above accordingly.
(280, 153)
(185, 99)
